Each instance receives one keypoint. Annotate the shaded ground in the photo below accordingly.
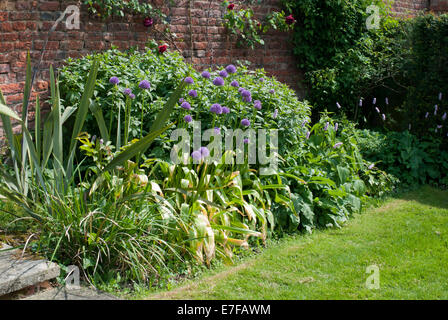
(407, 238)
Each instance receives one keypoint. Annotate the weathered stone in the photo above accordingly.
(72, 294)
(16, 274)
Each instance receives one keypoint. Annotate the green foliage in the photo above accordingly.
(248, 30)
(109, 8)
(411, 159)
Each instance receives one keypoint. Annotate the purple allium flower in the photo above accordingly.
(247, 96)
(383, 116)
(246, 141)
(245, 122)
(225, 110)
(387, 101)
(188, 118)
(336, 126)
(261, 79)
(181, 100)
(374, 100)
(377, 110)
(218, 81)
(132, 96)
(235, 84)
(338, 105)
(216, 108)
(326, 126)
(114, 81)
(204, 152)
(205, 74)
(439, 127)
(427, 115)
(127, 91)
(272, 91)
(189, 80)
(231, 69)
(193, 93)
(257, 104)
(185, 105)
(217, 130)
(337, 145)
(275, 114)
(196, 155)
(444, 116)
(308, 135)
(360, 102)
(440, 96)
(144, 85)
(223, 73)
(371, 166)
(240, 90)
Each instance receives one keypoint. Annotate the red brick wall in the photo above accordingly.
(409, 7)
(201, 38)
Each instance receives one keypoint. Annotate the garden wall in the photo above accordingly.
(24, 26)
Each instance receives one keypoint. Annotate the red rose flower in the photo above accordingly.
(148, 22)
(231, 6)
(162, 48)
(290, 19)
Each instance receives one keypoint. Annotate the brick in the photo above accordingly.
(4, 16)
(11, 88)
(6, 46)
(49, 6)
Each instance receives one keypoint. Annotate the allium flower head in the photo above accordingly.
(196, 155)
(241, 89)
(181, 100)
(188, 118)
(189, 80)
(223, 73)
(225, 110)
(272, 91)
(216, 108)
(326, 126)
(257, 104)
(127, 91)
(336, 126)
(204, 152)
(144, 85)
(217, 130)
(132, 96)
(205, 74)
(218, 81)
(235, 84)
(247, 96)
(275, 115)
(231, 69)
(245, 122)
(185, 105)
(308, 135)
(246, 141)
(439, 126)
(193, 93)
(114, 81)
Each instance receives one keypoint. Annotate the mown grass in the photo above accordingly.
(407, 238)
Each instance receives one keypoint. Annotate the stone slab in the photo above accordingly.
(71, 294)
(16, 274)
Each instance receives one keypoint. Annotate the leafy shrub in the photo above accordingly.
(404, 155)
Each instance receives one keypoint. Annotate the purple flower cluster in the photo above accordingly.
(188, 118)
(247, 96)
(205, 74)
(257, 104)
(223, 73)
(245, 122)
(231, 69)
(193, 93)
(145, 84)
(185, 105)
(235, 84)
(218, 81)
(200, 154)
(216, 108)
(114, 81)
(189, 80)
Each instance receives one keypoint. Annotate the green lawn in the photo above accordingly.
(407, 238)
